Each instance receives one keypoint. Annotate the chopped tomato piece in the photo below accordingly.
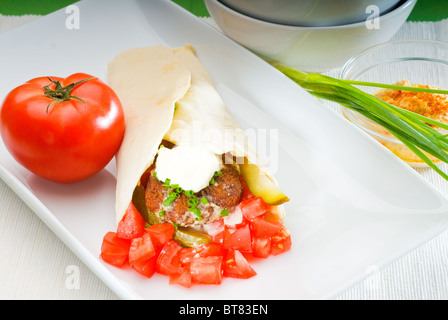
(141, 249)
(216, 230)
(147, 267)
(205, 250)
(206, 270)
(273, 215)
(182, 278)
(263, 228)
(114, 250)
(132, 225)
(160, 233)
(168, 261)
(247, 194)
(211, 249)
(239, 239)
(253, 207)
(281, 242)
(234, 218)
(236, 266)
(261, 247)
(186, 255)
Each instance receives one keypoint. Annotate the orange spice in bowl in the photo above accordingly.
(431, 105)
(422, 63)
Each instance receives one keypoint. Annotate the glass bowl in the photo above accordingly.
(423, 62)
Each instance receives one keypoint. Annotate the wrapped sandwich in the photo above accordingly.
(185, 162)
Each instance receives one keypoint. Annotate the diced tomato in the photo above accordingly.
(253, 207)
(234, 218)
(132, 225)
(273, 215)
(261, 247)
(205, 250)
(182, 278)
(263, 228)
(186, 255)
(141, 249)
(247, 194)
(281, 242)
(236, 266)
(160, 233)
(216, 230)
(114, 250)
(211, 249)
(147, 267)
(239, 239)
(206, 270)
(168, 261)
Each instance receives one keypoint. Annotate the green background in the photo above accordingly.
(425, 10)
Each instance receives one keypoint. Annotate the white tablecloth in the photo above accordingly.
(35, 264)
(423, 273)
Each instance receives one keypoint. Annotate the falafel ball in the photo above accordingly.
(225, 193)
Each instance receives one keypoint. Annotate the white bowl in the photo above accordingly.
(311, 49)
(310, 13)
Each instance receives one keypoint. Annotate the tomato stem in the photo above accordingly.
(60, 93)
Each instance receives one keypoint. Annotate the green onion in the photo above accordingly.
(215, 175)
(204, 200)
(410, 128)
(168, 201)
(189, 193)
(197, 213)
(192, 202)
(224, 213)
(394, 86)
(162, 213)
(167, 183)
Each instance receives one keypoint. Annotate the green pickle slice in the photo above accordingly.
(189, 237)
(138, 199)
(261, 185)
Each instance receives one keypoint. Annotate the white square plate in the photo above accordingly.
(353, 204)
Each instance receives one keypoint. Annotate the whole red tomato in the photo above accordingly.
(63, 130)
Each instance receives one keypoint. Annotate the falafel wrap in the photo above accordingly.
(182, 149)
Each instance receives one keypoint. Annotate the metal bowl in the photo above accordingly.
(311, 13)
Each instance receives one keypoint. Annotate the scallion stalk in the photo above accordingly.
(394, 86)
